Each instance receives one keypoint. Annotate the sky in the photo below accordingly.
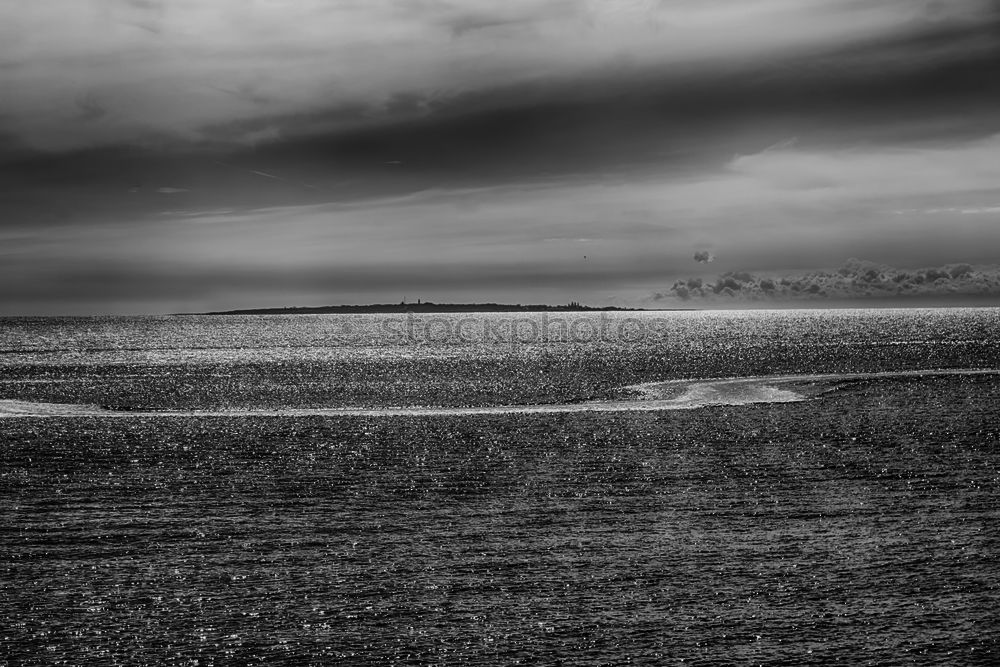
(165, 156)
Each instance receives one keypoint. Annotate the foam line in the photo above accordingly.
(652, 396)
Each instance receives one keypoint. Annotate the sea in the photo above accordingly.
(798, 487)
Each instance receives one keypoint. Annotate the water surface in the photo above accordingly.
(258, 490)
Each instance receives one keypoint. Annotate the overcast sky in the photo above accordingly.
(180, 155)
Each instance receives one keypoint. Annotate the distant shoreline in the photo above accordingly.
(426, 307)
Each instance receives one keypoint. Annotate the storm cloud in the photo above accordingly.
(523, 136)
(83, 73)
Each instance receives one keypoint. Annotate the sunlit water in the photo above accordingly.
(790, 488)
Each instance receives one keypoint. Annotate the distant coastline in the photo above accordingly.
(425, 307)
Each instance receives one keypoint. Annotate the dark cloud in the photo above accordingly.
(90, 108)
(932, 78)
(447, 127)
(703, 256)
(646, 115)
(120, 183)
(464, 22)
(573, 121)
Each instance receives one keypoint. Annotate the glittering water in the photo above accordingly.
(293, 490)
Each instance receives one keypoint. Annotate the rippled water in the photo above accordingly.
(297, 490)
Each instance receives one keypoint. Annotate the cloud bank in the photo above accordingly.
(857, 281)
(80, 73)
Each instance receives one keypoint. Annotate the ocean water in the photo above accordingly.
(794, 487)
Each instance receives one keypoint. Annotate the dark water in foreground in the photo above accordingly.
(858, 524)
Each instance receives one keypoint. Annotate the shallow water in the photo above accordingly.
(649, 397)
(462, 502)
